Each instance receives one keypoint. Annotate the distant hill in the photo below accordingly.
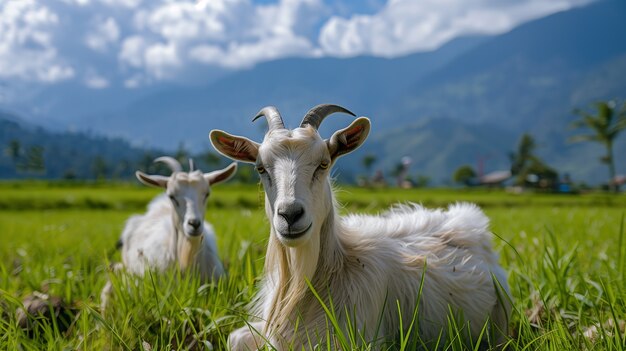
(30, 151)
(530, 75)
(188, 113)
(530, 80)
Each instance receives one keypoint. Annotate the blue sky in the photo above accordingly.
(135, 43)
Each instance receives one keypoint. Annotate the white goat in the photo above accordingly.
(368, 266)
(174, 231)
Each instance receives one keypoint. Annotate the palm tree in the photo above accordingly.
(604, 126)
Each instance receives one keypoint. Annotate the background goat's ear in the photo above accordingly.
(236, 147)
(222, 175)
(152, 180)
(348, 139)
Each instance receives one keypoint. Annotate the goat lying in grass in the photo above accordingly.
(173, 230)
(368, 268)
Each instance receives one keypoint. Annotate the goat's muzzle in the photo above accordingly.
(193, 227)
(291, 221)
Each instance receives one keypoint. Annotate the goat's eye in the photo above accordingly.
(174, 200)
(324, 165)
(260, 169)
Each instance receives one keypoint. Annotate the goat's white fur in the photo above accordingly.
(365, 264)
(163, 237)
(154, 241)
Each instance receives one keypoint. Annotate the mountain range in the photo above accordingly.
(467, 102)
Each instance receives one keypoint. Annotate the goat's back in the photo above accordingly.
(450, 248)
(148, 239)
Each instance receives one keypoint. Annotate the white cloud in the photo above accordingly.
(288, 17)
(207, 54)
(27, 51)
(406, 26)
(239, 55)
(121, 3)
(247, 54)
(134, 81)
(132, 52)
(77, 2)
(95, 81)
(165, 39)
(112, 3)
(105, 33)
(161, 59)
(226, 33)
(183, 21)
(54, 73)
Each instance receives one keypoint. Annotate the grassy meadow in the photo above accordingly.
(565, 255)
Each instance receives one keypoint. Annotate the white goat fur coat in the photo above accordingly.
(150, 242)
(366, 262)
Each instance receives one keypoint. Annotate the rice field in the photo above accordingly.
(565, 255)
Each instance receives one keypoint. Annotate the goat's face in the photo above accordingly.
(189, 193)
(294, 168)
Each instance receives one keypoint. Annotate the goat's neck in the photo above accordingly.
(290, 268)
(319, 255)
(187, 247)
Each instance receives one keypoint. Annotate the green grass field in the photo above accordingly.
(565, 255)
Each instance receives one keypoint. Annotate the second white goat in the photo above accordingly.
(173, 230)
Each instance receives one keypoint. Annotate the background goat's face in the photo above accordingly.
(294, 168)
(189, 193)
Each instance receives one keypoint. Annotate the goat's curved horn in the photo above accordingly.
(316, 115)
(274, 120)
(191, 165)
(171, 162)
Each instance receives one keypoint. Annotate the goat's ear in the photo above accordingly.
(158, 181)
(235, 147)
(348, 139)
(222, 175)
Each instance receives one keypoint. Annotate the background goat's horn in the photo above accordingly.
(316, 115)
(171, 162)
(274, 119)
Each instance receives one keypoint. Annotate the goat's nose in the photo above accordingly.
(291, 212)
(195, 223)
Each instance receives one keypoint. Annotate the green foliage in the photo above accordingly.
(463, 174)
(605, 126)
(526, 165)
(35, 152)
(420, 180)
(14, 150)
(182, 154)
(565, 256)
(368, 161)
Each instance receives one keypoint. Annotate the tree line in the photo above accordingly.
(602, 123)
(34, 154)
